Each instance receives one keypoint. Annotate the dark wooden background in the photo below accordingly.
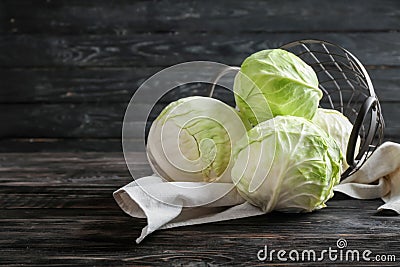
(67, 71)
(69, 68)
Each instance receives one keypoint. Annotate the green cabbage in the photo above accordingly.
(276, 82)
(286, 164)
(192, 138)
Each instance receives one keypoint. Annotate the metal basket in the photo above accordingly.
(346, 87)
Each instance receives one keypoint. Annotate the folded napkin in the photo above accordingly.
(379, 177)
(173, 204)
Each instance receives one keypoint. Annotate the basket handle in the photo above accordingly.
(369, 103)
(219, 76)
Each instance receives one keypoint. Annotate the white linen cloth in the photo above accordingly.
(379, 177)
(147, 197)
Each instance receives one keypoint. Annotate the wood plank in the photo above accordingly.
(168, 49)
(126, 17)
(102, 120)
(392, 126)
(72, 85)
(97, 237)
(64, 145)
(91, 85)
(65, 180)
(70, 120)
(65, 164)
(386, 83)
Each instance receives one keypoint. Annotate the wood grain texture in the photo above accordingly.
(103, 120)
(64, 180)
(145, 50)
(105, 85)
(96, 237)
(126, 17)
(61, 144)
(57, 209)
(67, 120)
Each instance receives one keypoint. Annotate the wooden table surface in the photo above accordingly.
(58, 209)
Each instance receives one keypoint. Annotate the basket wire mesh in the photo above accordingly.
(346, 87)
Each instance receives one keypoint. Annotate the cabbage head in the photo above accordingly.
(192, 139)
(287, 83)
(286, 164)
(338, 126)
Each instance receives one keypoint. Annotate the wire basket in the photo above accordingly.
(346, 87)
